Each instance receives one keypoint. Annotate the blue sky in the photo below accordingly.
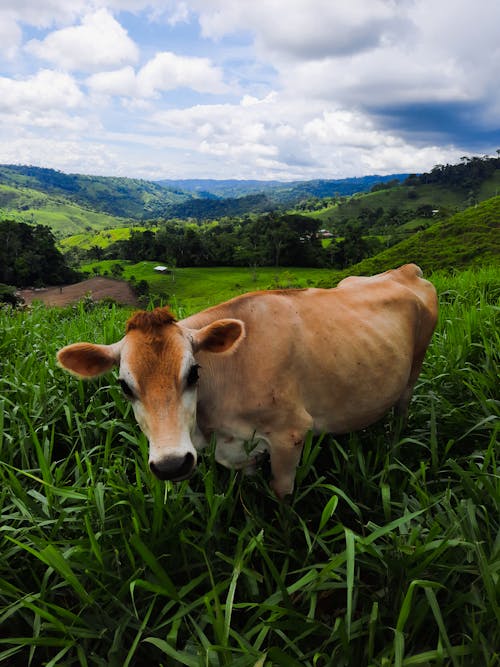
(260, 89)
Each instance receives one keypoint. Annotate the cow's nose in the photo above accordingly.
(174, 468)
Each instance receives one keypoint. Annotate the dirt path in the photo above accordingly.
(98, 288)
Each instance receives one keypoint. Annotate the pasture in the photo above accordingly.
(102, 238)
(387, 555)
(189, 289)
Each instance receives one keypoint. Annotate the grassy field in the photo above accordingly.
(191, 289)
(388, 554)
(101, 239)
(470, 237)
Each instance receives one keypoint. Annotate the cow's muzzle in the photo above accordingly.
(174, 468)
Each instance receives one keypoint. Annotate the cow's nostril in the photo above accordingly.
(174, 468)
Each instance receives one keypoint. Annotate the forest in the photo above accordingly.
(270, 239)
(28, 256)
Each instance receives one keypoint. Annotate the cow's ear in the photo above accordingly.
(219, 336)
(87, 360)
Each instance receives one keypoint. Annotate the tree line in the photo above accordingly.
(29, 257)
(269, 240)
(467, 176)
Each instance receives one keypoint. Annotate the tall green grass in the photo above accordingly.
(387, 555)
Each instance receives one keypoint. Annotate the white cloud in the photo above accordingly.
(10, 36)
(42, 91)
(120, 82)
(299, 28)
(164, 72)
(64, 154)
(167, 71)
(47, 13)
(180, 14)
(277, 137)
(370, 52)
(52, 122)
(99, 41)
(387, 76)
(43, 14)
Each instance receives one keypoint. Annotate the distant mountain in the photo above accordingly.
(211, 208)
(206, 188)
(279, 192)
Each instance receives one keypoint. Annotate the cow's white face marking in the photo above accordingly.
(163, 397)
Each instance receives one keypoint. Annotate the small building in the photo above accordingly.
(162, 269)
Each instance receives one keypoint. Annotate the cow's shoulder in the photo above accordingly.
(404, 274)
(409, 276)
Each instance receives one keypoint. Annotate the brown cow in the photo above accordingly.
(261, 370)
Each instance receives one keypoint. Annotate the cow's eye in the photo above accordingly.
(193, 375)
(126, 389)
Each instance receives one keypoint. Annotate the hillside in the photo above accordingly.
(73, 204)
(57, 212)
(121, 197)
(418, 201)
(467, 239)
(99, 239)
(191, 198)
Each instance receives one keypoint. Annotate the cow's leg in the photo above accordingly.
(284, 461)
(401, 407)
(285, 451)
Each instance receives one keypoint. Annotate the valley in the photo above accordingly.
(446, 219)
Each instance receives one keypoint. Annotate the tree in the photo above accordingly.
(28, 256)
(117, 270)
(350, 250)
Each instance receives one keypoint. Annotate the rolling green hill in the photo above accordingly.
(121, 197)
(57, 212)
(75, 204)
(101, 239)
(201, 199)
(419, 201)
(467, 239)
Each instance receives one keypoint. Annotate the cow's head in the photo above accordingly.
(158, 373)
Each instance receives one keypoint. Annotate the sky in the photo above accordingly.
(248, 89)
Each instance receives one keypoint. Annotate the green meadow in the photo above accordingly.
(100, 238)
(387, 555)
(191, 289)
